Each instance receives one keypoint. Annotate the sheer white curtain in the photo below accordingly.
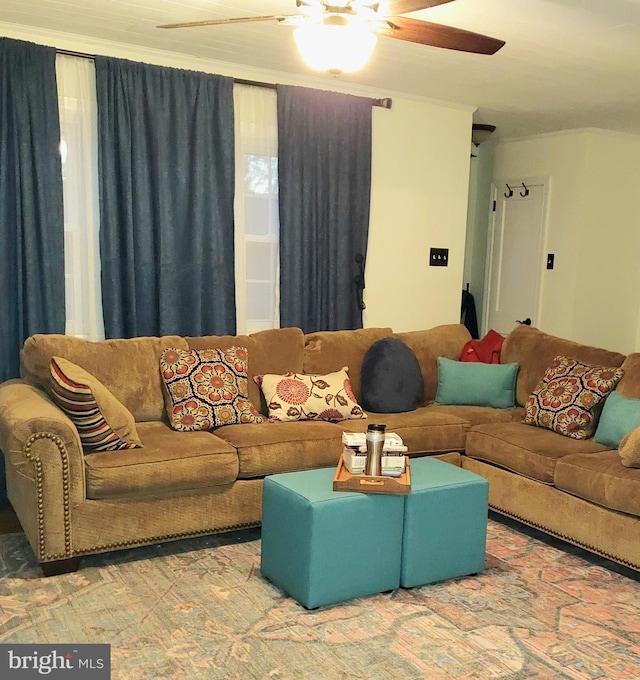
(79, 152)
(256, 208)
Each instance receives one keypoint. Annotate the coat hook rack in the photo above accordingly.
(510, 194)
(526, 191)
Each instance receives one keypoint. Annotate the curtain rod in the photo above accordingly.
(384, 102)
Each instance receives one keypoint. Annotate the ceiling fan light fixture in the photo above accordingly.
(342, 47)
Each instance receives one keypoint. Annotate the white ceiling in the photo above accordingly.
(567, 63)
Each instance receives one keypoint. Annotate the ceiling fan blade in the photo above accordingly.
(438, 35)
(395, 7)
(220, 22)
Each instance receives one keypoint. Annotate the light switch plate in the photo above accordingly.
(439, 257)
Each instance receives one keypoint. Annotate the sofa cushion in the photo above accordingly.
(390, 378)
(169, 462)
(446, 340)
(629, 385)
(534, 350)
(329, 351)
(271, 448)
(278, 350)
(207, 388)
(479, 415)
(629, 449)
(532, 452)
(428, 429)
(476, 384)
(296, 396)
(600, 478)
(224, 342)
(619, 416)
(128, 368)
(569, 397)
(103, 423)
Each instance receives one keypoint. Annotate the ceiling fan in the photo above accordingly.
(390, 23)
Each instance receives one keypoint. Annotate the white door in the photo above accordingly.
(515, 256)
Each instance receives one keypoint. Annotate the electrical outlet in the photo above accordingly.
(439, 257)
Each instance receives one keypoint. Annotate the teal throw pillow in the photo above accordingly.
(619, 416)
(475, 384)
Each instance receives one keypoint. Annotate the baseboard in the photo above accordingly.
(9, 523)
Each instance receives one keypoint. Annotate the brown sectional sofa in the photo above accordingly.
(576, 490)
(182, 484)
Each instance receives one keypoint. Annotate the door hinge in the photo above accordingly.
(494, 206)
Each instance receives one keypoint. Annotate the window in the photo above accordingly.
(79, 155)
(256, 208)
(256, 202)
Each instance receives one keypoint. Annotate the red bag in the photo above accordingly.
(486, 351)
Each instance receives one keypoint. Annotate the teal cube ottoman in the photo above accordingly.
(445, 523)
(322, 546)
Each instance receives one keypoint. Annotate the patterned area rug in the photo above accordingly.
(200, 609)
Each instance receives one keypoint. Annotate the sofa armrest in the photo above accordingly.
(44, 467)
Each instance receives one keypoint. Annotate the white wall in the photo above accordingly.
(608, 269)
(419, 186)
(592, 295)
(419, 201)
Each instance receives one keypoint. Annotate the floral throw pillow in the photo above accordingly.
(294, 396)
(207, 388)
(569, 397)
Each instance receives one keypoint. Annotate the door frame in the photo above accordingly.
(516, 184)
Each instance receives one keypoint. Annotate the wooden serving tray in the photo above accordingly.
(343, 480)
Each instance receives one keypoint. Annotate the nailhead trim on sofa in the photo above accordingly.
(163, 538)
(37, 464)
(564, 537)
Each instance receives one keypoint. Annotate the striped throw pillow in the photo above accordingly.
(102, 421)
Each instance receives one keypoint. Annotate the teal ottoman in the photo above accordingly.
(322, 546)
(445, 523)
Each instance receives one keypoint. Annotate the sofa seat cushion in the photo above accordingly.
(600, 478)
(529, 451)
(479, 415)
(425, 430)
(168, 462)
(271, 448)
